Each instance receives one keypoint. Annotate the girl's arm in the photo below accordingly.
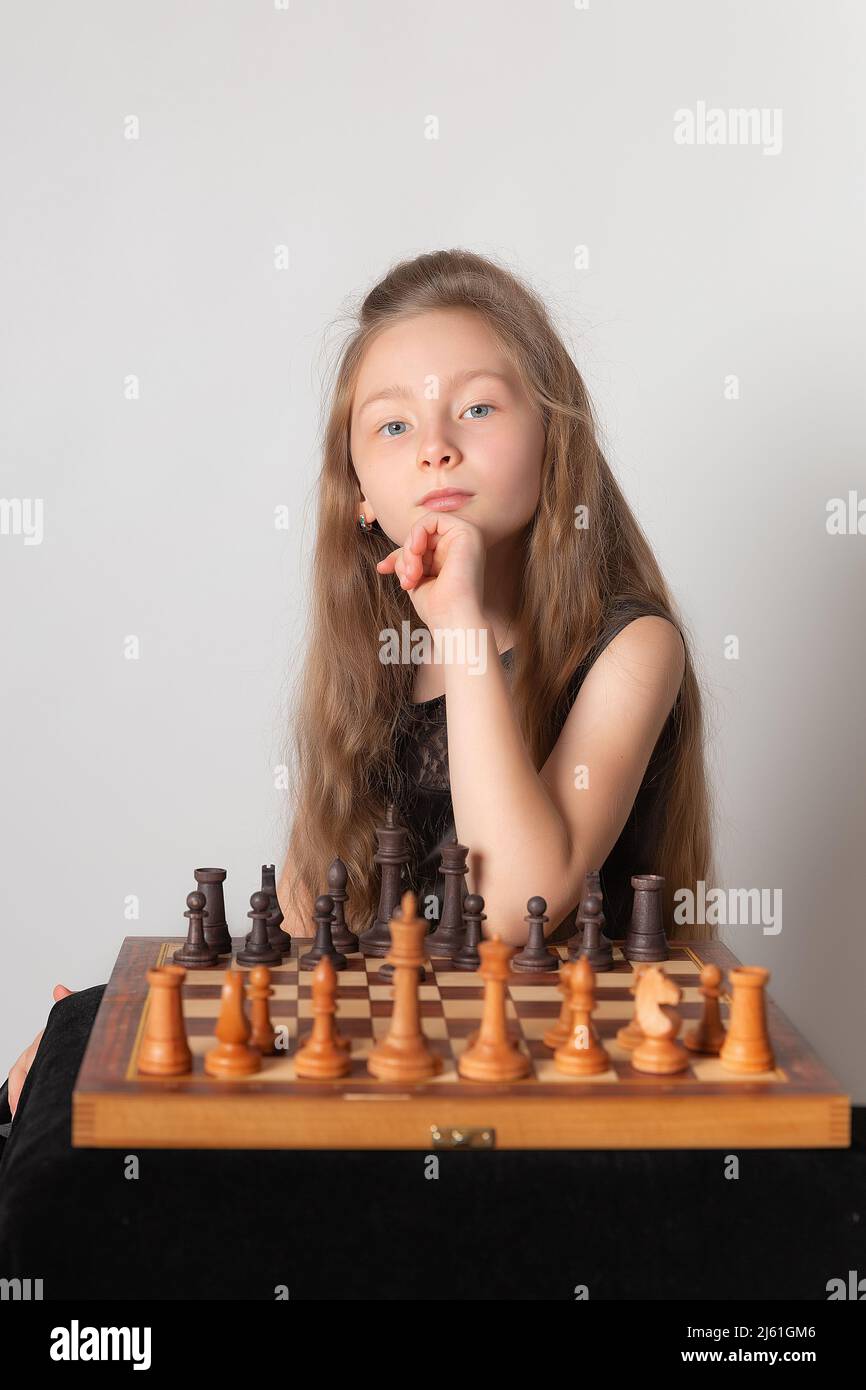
(535, 832)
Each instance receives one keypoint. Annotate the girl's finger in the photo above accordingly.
(386, 566)
(419, 539)
(412, 561)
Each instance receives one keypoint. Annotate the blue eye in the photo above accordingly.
(389, 423)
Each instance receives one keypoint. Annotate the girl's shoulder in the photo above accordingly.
(621, 612)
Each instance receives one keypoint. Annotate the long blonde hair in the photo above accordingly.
(347, 703)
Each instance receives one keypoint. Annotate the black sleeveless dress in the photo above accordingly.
(425, 804)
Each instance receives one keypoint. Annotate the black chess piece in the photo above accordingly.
(645, 939)
(392, 854)
(195, 953)
(344, 940)
(258, 949)
(591, 885)
(276, 936)
(323, 944)
(595, 946)
(467, 957)
(216, 932)
(385, 974)
(536, 955)
(448, 937)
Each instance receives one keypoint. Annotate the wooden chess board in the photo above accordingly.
(796, 1105)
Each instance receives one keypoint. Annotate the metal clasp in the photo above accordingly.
(462, 1137)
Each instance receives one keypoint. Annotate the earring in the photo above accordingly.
(362, 523)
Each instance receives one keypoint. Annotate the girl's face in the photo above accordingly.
(437, 405)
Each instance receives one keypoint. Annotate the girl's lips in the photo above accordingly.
(447, 503)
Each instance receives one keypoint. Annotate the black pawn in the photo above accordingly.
(323, 944)
(595, 946)
(385, 974)
(195, 953)
(344, 940)
(276, 936)
(645, 939)
(467, 957)
(535, 954)
(258, 949)
(591, 885)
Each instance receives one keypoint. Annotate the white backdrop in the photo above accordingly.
(154, 159)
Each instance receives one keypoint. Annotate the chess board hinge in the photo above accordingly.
(463, 1137)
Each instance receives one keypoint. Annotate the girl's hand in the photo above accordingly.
(441, 566)
(19, 1071)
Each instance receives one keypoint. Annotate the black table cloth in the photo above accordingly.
(217, 1224)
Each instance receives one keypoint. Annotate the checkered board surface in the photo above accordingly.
(798, 1104)
(451, 1003)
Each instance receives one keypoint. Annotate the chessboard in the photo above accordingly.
(797, 1104)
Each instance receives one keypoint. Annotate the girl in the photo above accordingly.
(575, 741)
(463, 491)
